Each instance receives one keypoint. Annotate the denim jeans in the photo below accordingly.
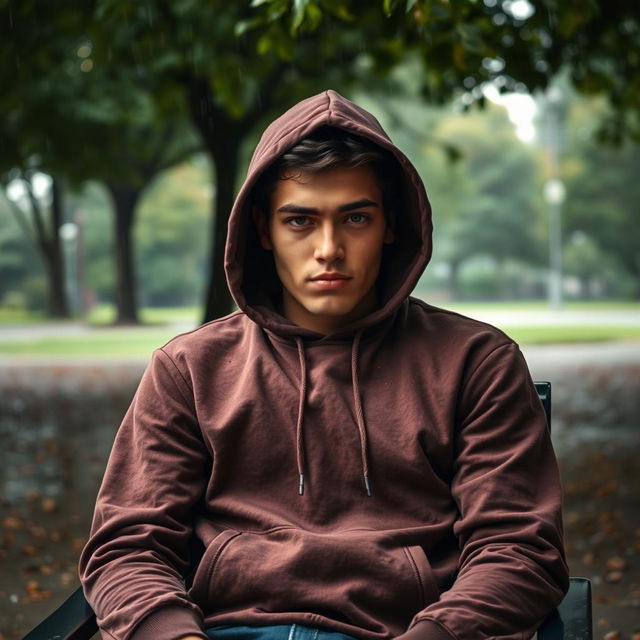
(274, 632)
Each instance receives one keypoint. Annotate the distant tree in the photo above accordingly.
(73, 119)
(41, 222)
(170, 236)
(603, 194)
(19, 270)
(486, 204)
(147, 151)
(595, 270)
(34, 113)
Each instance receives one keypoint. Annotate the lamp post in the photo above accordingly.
(554, 192)
(69, 235)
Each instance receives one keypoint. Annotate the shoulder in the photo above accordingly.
(480, 357)
(453, 328)
(208, 345)
(453, 343)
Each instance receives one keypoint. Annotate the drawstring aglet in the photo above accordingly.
(367, 485)
(301, 485)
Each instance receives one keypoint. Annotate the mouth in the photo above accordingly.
(329, 276)
(330, 281)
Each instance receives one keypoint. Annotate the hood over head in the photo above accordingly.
(250, 269)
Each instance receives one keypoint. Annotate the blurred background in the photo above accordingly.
(126, 130)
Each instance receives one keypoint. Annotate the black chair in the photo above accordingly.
(75, 620)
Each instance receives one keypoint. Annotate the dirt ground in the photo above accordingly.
(57, 423)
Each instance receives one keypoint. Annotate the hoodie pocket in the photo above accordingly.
(359, 577)
(425, 579)
(202, 576)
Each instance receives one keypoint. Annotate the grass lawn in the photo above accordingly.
(117, 342)
(567, 334)
(105, 314)
(20, 317)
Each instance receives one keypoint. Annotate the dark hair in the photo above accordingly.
(330, 148)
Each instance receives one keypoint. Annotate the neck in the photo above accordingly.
(326, 323)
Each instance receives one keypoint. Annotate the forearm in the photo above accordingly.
(512, 569)
(133, 564)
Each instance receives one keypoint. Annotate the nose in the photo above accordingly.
(329, 245)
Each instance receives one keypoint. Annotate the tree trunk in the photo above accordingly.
(54, 258)
(125, 198)
(221, 136)
(225, 157)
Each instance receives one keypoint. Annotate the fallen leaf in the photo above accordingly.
(616, 563)
(612, 635)
(49, 505)
(36, 592)
(11, 523)
(614, 576)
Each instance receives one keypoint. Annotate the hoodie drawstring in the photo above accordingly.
(357, 402)
(301, 401)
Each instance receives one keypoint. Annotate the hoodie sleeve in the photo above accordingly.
(132, 565)
(512, 570)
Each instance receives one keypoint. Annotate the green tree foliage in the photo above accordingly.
(169, 239)
(82, 120)
(238, 63)
(603, 195)
(20, 284)
(170, 236)
(487, 203)
(87, 76)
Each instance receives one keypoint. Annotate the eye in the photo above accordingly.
(358, 218)
(298, 221)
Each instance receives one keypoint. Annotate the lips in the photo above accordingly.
(330, 276)
(330, 281)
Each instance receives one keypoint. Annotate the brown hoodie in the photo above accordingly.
(394, 477)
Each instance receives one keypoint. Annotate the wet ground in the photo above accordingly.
(57, 423)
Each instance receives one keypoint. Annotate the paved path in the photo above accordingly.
(566, 318)
(543, 359)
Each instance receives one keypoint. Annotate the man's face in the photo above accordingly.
(326, 231)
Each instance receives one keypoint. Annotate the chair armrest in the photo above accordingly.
(572, 619)
(72, 620)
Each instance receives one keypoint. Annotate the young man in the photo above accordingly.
(355, 462)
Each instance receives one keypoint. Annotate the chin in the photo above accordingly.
(331, 310)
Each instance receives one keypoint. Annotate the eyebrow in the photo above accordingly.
(350, 206)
